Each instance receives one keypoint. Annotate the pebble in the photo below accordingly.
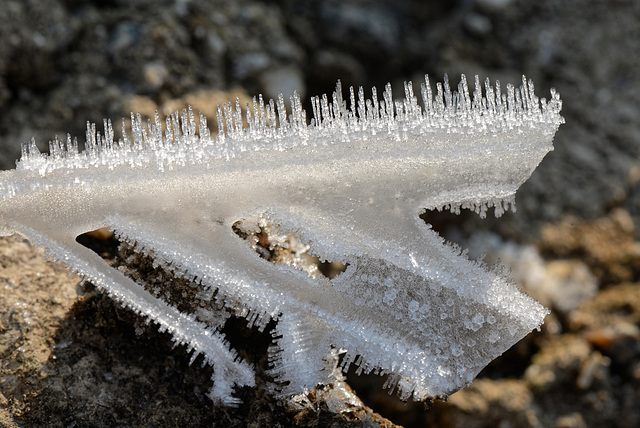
(282, 80)
(363, 27)
(478, 25)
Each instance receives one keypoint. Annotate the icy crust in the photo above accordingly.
(351, 184)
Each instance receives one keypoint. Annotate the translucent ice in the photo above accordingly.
(352, 184)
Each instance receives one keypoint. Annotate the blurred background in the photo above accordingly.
(572, 243)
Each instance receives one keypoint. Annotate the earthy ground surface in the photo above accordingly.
(70, 358)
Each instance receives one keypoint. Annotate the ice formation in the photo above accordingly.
(352, 184)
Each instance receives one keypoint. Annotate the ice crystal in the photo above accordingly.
(352, 184)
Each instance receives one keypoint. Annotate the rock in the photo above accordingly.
(478, 25)
(124, 36)
(282, 80)
(155, 74)
(250, 64)
(368, 28)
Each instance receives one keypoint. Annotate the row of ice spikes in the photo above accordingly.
(268, 125)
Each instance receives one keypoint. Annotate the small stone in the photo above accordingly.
(478, 25)
(366, 28)
(155, 74)
(573, 420)
(249, 64)
(282, 80)
(124, 36)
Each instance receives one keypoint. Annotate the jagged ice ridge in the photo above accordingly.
(352, 184)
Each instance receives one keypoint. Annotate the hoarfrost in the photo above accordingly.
(352, 185)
